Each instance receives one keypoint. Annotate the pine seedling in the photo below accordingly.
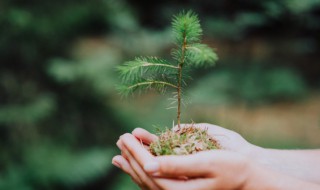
(144, 73)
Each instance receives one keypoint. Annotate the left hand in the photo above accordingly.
(215, 169)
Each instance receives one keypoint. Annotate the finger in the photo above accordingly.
(146, 181)
(195, 165)
(137, 155)
(121, 147)
(144, 135)
(123, 164)
(192, 184)
(140, 154)
(119, 143)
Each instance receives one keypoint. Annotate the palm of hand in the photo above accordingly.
(227, 139)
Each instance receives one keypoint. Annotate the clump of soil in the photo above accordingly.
(187, 140)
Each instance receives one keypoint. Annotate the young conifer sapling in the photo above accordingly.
(146, 73)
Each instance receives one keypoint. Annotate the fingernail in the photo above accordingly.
(116, 164)
(157, 174)
(119, 144)
(151, 167)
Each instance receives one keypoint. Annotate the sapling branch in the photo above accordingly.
(146, 64)
(151, 83)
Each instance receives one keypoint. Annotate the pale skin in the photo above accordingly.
(240, 165)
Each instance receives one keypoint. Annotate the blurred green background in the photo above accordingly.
(60, 114)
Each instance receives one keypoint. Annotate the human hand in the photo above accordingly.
(216, 169)
(282, 159)
(227, 139)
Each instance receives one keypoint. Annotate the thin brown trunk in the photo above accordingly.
(179, 96)
(183, 49)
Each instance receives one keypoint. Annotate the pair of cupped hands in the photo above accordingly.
(226, 168)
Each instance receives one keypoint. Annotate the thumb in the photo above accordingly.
(195, 165)
(144, 135)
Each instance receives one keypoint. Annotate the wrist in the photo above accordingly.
(252, 151)
(256, 154)
(249, 176)
(258, 177)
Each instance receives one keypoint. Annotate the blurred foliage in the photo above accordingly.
(92, 72)
(44, 165)
(59, 112)
(252, 85)
(29, 113)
